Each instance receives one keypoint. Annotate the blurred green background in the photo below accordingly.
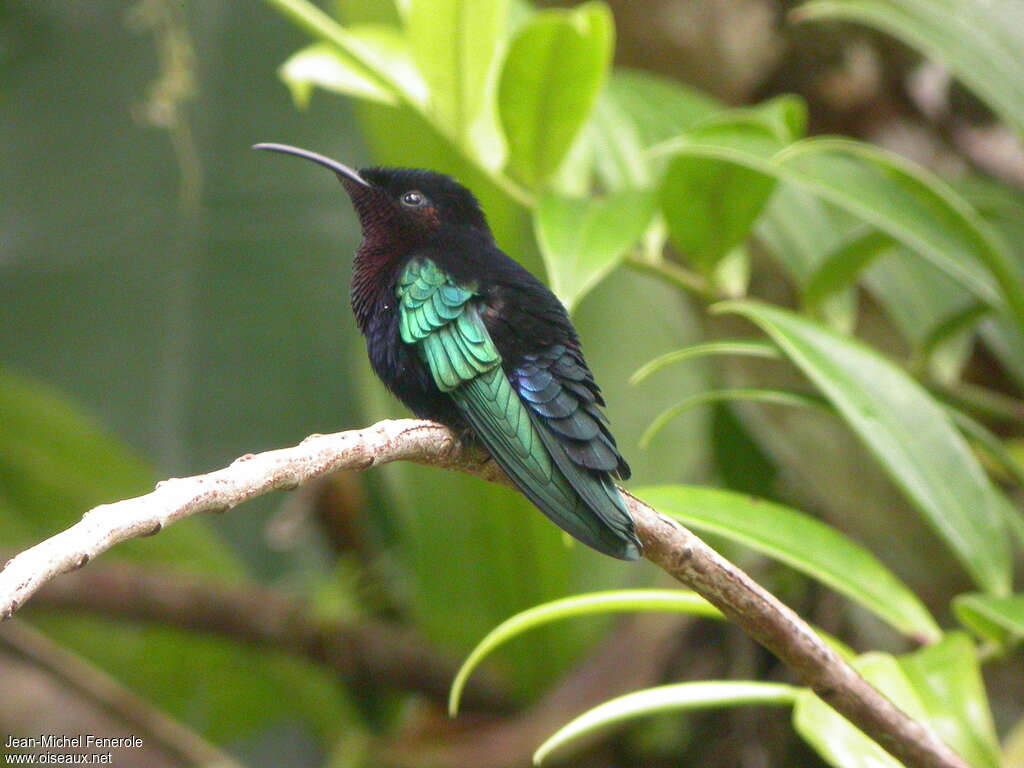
(170, 301)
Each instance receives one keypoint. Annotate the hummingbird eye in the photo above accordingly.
(413, 199)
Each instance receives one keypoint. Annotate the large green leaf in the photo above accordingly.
(947, 680)
(594, 603)
(456, 46)
(680, 697)
(319, 65)
(909, 432)
(584, 239)
(616, 144)
(802, 542)
(980, 42)
(553, 72)
(1003, 208)
(635, 111)
(711, 204)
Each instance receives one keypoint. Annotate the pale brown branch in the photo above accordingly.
(667, 544)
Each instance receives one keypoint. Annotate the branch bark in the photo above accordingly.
(666, 543)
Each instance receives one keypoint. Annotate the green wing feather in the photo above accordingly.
(442, 320)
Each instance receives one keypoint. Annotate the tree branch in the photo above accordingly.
(115, 699)
(364, 653)
(667, 544)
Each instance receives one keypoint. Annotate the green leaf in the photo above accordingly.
(456, 47)
(883, 189)
(617, 601)
(800, 231)
(840, 268)
(324, 65)
(617, 146)
(997, 619)
(773, 396)
(957, 324)
(745, 348)
(920, 300)
(917, 299)
(837, 740)
(914, 207)
(947, 680)
(584, 239)
(370, 51)
(634, 111)
(550, 80)
(801, 542)
(319, 65)
(940, 685)
(979, 42)
(909, 433)
(668, 698)
(660, 108)
(711, 204)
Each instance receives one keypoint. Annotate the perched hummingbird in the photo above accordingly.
(464, 335)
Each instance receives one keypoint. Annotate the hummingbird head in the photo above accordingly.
(401, 205)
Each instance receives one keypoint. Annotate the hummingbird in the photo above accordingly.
(465, 336)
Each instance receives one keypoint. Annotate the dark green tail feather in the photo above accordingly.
(584, 504)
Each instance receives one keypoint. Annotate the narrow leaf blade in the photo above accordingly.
(979, 42)
(801, 542)
(668, 698)
(910, 434)
(594, 603)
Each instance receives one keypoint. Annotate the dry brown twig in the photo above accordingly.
(666, 543)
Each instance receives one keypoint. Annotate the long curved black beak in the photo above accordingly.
(339, 168)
